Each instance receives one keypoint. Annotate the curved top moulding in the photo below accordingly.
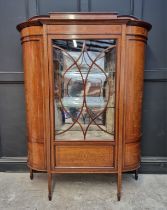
(55, 18)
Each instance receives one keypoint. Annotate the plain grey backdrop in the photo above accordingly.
(12, 101)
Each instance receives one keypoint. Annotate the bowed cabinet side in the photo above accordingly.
(33, 58)
(136, 38)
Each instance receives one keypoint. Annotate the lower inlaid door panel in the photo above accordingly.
(84, 156)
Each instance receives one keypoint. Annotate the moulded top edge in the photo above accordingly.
(79, 17)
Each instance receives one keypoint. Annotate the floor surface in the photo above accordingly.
(82, 192)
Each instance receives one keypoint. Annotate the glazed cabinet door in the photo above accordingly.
(83, 102)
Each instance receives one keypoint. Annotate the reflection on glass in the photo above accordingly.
(84, 89)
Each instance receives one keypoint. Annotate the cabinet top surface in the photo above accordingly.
(111, 18)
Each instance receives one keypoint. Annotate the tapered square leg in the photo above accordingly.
(31, 174)
(119, 196)
(119, 186)
(49, 186)
(136, 174)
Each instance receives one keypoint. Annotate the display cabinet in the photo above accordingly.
(83, 76)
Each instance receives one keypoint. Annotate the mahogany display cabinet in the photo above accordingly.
(83, 76)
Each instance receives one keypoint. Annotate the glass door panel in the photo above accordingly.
(84, 89)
